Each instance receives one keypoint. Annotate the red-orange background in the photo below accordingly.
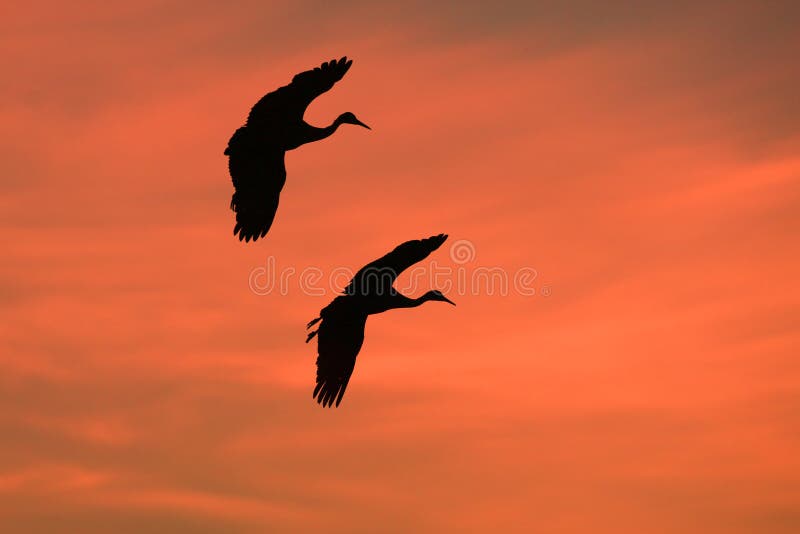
(643, 158)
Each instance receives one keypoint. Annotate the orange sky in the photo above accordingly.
(642, 158)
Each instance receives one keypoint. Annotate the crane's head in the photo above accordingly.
(437, 295)
(349, 118)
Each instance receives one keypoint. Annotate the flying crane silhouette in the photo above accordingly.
(371, 291)
(256, 150)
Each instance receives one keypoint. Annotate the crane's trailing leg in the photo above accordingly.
(313, 333)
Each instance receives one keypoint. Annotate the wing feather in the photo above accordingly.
(289, 102)
(376, 278)
(258, 174)
(341, 334)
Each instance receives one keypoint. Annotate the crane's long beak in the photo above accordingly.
(448, 300)
(358, 122)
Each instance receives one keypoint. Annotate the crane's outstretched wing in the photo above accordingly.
(258, 174)
(376, 278)
(339, 339)
(290, 101)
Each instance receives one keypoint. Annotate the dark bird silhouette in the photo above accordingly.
(256, 150)
(371, 291)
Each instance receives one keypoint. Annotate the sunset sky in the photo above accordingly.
(641, 158)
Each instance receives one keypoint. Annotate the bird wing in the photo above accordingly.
(290, 101)
(339, 339)
(258, 174)
(377, 277)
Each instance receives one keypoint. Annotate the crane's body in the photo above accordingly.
(371, 291)
(275, 125)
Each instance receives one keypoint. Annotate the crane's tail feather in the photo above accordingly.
(311, 335)
(315, 321)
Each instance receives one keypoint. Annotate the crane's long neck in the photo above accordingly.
(315, 134)
(394, 302)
